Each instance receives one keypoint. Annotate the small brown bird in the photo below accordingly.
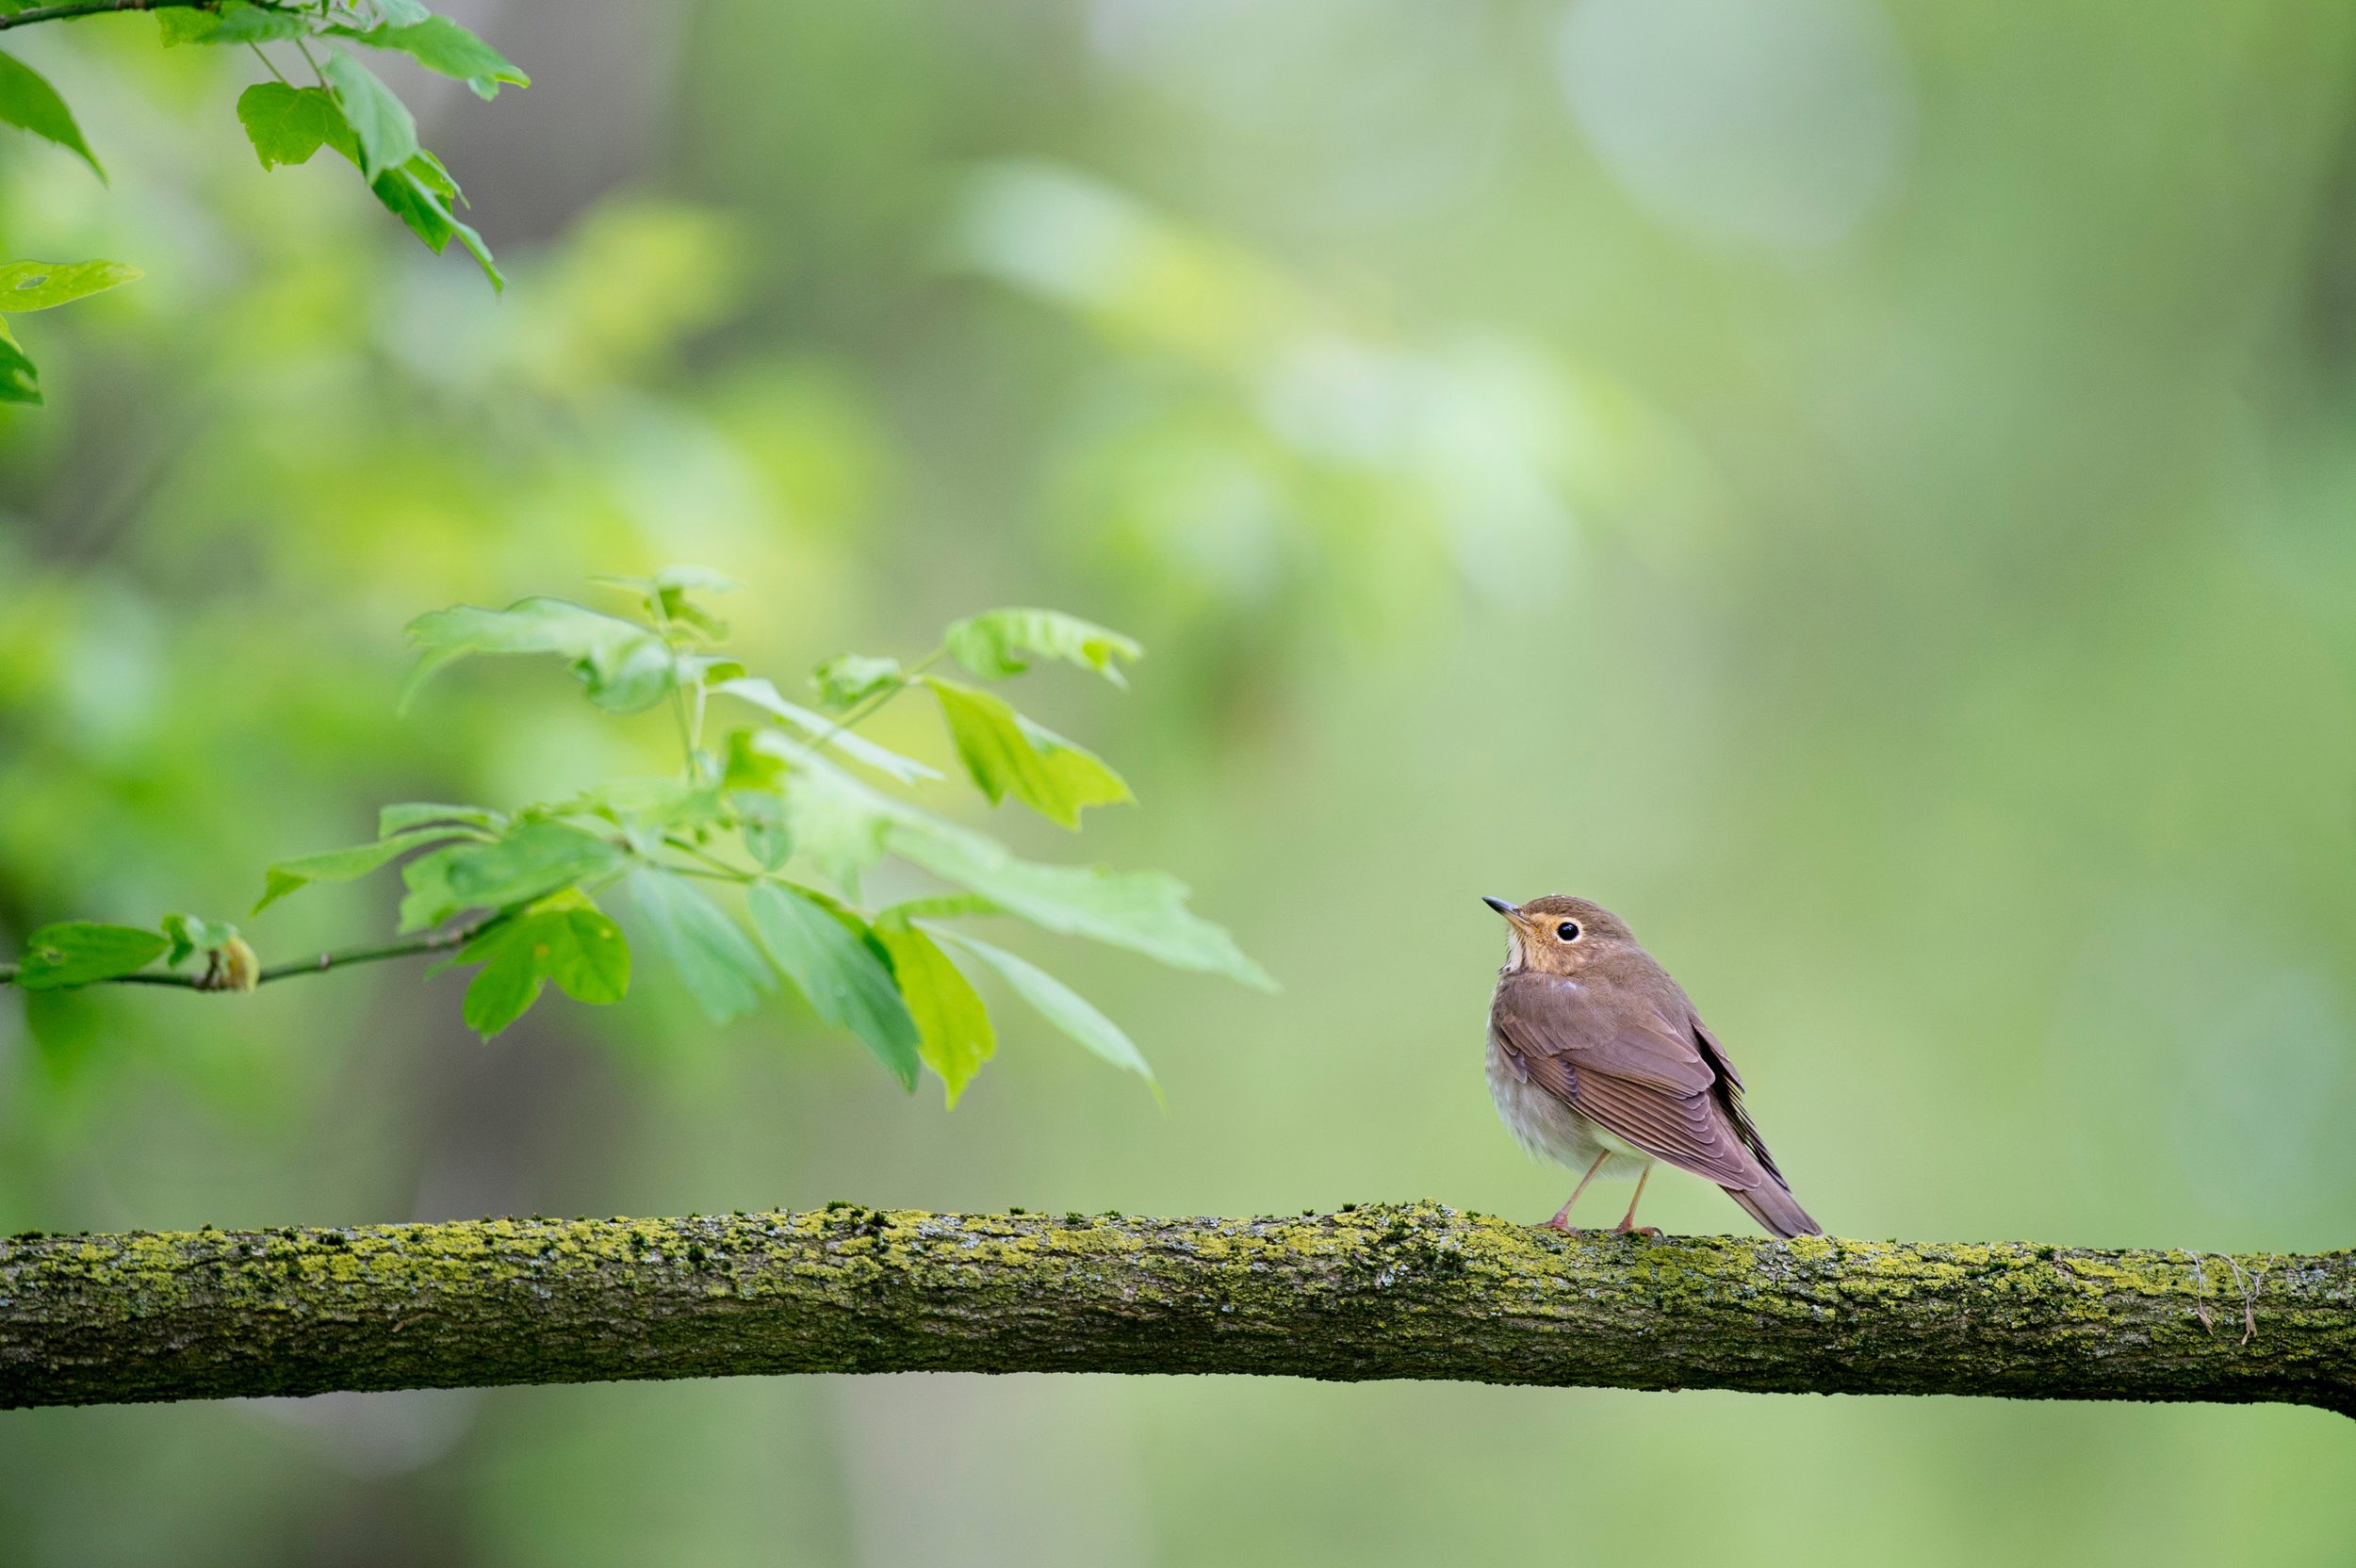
(1598, 1059)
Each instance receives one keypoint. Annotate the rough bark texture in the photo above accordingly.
(1412, 1291)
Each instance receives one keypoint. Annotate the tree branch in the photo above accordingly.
(72, 9)
(1412, 1291)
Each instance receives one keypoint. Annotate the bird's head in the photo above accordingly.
(1558, 934)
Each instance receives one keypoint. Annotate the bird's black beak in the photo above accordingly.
(1501, 907)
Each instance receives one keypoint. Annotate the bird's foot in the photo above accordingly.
(1558, 1223)
(1623, 1229)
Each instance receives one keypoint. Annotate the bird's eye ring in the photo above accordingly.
(1567, 931)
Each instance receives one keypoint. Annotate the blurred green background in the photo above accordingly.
(1866, 492)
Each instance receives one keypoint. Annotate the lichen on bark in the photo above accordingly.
(1379, 1291)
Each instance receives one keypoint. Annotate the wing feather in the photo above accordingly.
(1639, 1075)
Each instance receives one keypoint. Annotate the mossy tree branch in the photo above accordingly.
(1415, 1291)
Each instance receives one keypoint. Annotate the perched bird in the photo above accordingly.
(1598, 1059)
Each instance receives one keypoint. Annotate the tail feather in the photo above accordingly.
(1772, 1205)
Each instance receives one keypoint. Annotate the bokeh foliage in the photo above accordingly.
(1923, 607)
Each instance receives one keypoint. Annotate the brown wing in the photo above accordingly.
(1610, 1052)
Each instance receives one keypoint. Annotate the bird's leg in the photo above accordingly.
(1627, 1220)
(1562, 1221)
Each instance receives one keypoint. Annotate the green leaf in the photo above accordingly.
(836, 821)
(286, 124)
(440, 45)
(343, 865)
(1007, 753)
(81, 951)
(1144, 912)
(625, 666)
(178, 25)
(433, 176)
(504, 988)
(188, 935)
(721, 968)
(848, 982)
(411, 194)
(584, 952)
(417, 814)
(762, 693)
(574, 945)
(851, 678)
(1059, 1004)
(28, 101)
(534, 860)
(761, 823)
(1001, 642)
(20, 379)
(953, 1029)
(381, 122)
(45, 285)
(399, 13)
(242, 22)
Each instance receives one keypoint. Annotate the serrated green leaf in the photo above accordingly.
(1008, 755)
(28, 101)
(1144, 912)
(408, 193)
(436, 178)
(243, 23)
(178, 25)
(836, 821)
(26, 285)
(380, 121)
(83, 952)
(717, 962)
(761, 823)
(576, 946)
(1001, 642)
(762, 693)
(504, 988)
(851, 678)
(188, 935)
(954, 1033)
(625, 666)
(584, 952)
(1058, 1003)
(287, 124)
(20, 379)
(533, 862)
(442, 45)
(847, 983)
(417, 814)
(399, 13)
(343, 865)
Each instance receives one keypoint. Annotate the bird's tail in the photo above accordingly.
(1772, 1205)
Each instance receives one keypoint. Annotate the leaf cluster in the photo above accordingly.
(745, 870)
(346, 106)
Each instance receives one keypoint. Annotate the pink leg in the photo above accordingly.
(1627, 1220)
(1562, 1221)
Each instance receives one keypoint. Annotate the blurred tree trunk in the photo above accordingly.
(1415, 1291)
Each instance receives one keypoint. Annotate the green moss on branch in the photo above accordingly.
(1410, 1291)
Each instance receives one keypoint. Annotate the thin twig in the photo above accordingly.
(72, 9)
(321, 964)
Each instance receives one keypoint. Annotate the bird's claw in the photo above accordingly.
(1652, 1231)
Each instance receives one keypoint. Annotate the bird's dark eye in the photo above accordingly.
(1567, 931)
